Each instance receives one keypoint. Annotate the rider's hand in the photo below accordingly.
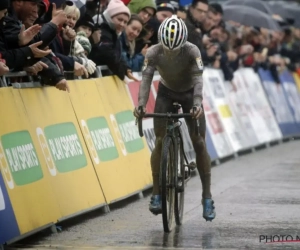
(137, 113)
(197, 112)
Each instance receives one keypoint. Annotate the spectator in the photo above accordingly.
(150, 38)
(128, 37)
(109, 51)
(213, 18)
(3, 68)
(61, 45)
(194, 22)
(14, 38)
(164, 10)
(84, 42)
(146, 9)
(86, 24)
(181, 13)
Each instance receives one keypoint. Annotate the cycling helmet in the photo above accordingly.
(172, 33)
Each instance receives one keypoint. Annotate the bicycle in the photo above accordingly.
(175, 170)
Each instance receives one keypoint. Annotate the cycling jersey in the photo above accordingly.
(179, 72)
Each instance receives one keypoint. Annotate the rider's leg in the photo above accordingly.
(203, 163)
(163, 104)
(202, 157)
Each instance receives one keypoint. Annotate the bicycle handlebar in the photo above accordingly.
(164, 115)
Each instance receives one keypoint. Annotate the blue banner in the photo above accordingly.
(8, 224)
(292, 95)
(279, 105)
(210, 147)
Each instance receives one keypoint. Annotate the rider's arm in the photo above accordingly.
(196, 75)
(147, 76)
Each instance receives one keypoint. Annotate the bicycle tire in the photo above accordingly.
(180, 184)
(167, 183)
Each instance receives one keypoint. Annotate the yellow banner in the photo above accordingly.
(120, 156)
(68, 167)
(21, 165)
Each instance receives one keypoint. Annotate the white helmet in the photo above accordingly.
(172, 33)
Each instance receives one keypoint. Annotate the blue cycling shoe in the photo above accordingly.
(209, 212)
(155, 204)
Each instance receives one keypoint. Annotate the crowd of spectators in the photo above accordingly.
(54, 40)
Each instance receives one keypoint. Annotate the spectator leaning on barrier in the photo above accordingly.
(128, 37)
(15, 37)
(61, 43)
(17, 57)
(71, 46)
(109, 50)
(146, 9)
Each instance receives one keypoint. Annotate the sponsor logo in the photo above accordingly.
(100, 140)
(65, 147)
(18, 159)
(129, 131)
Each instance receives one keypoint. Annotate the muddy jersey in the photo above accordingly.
(179, 72)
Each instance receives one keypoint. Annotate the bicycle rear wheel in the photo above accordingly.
(167, 163)
(180, 184)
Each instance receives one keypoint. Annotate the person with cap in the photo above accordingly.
(83, 40)
(85, 24)
(146, 9)
(18, 58)
(25, 11)
(164, 10)
(109, 51)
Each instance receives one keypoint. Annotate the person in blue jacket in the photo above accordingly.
(133, 31)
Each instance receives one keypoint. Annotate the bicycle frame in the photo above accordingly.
(172, 177)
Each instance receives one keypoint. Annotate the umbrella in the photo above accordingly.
(79, 3)
(249, 16)
(290, 13)
(256, 4)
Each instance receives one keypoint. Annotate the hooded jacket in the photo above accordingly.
(135, 6)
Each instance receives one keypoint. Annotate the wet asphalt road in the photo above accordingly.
(256, 195)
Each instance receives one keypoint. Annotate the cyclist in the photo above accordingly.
(180, 66)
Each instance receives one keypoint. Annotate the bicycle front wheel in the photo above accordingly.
(180, 183)
(167, 163)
